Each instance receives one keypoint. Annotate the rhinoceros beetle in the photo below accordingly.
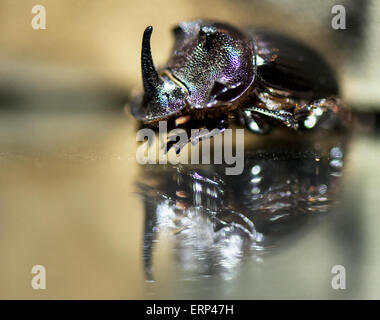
(217, 73)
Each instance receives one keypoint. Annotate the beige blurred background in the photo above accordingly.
(67, 152)
(97, 43)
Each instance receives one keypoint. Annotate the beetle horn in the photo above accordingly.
(149, 74)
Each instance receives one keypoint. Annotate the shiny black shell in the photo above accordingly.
(288, 65)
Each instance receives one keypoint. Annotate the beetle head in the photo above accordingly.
(211, 65)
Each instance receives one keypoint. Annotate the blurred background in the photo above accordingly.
(90, 45)
(67, 150)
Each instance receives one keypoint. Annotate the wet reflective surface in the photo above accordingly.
(74, 199)
(215, 221)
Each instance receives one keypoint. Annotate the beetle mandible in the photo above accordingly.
(217, 73)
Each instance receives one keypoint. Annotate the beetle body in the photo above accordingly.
(217, 73)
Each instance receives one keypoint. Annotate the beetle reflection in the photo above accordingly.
(216, 220)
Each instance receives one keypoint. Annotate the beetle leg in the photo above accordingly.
(284, 116)
(206, 131)
(254, 122)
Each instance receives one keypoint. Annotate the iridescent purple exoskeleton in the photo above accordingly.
(218, 73)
